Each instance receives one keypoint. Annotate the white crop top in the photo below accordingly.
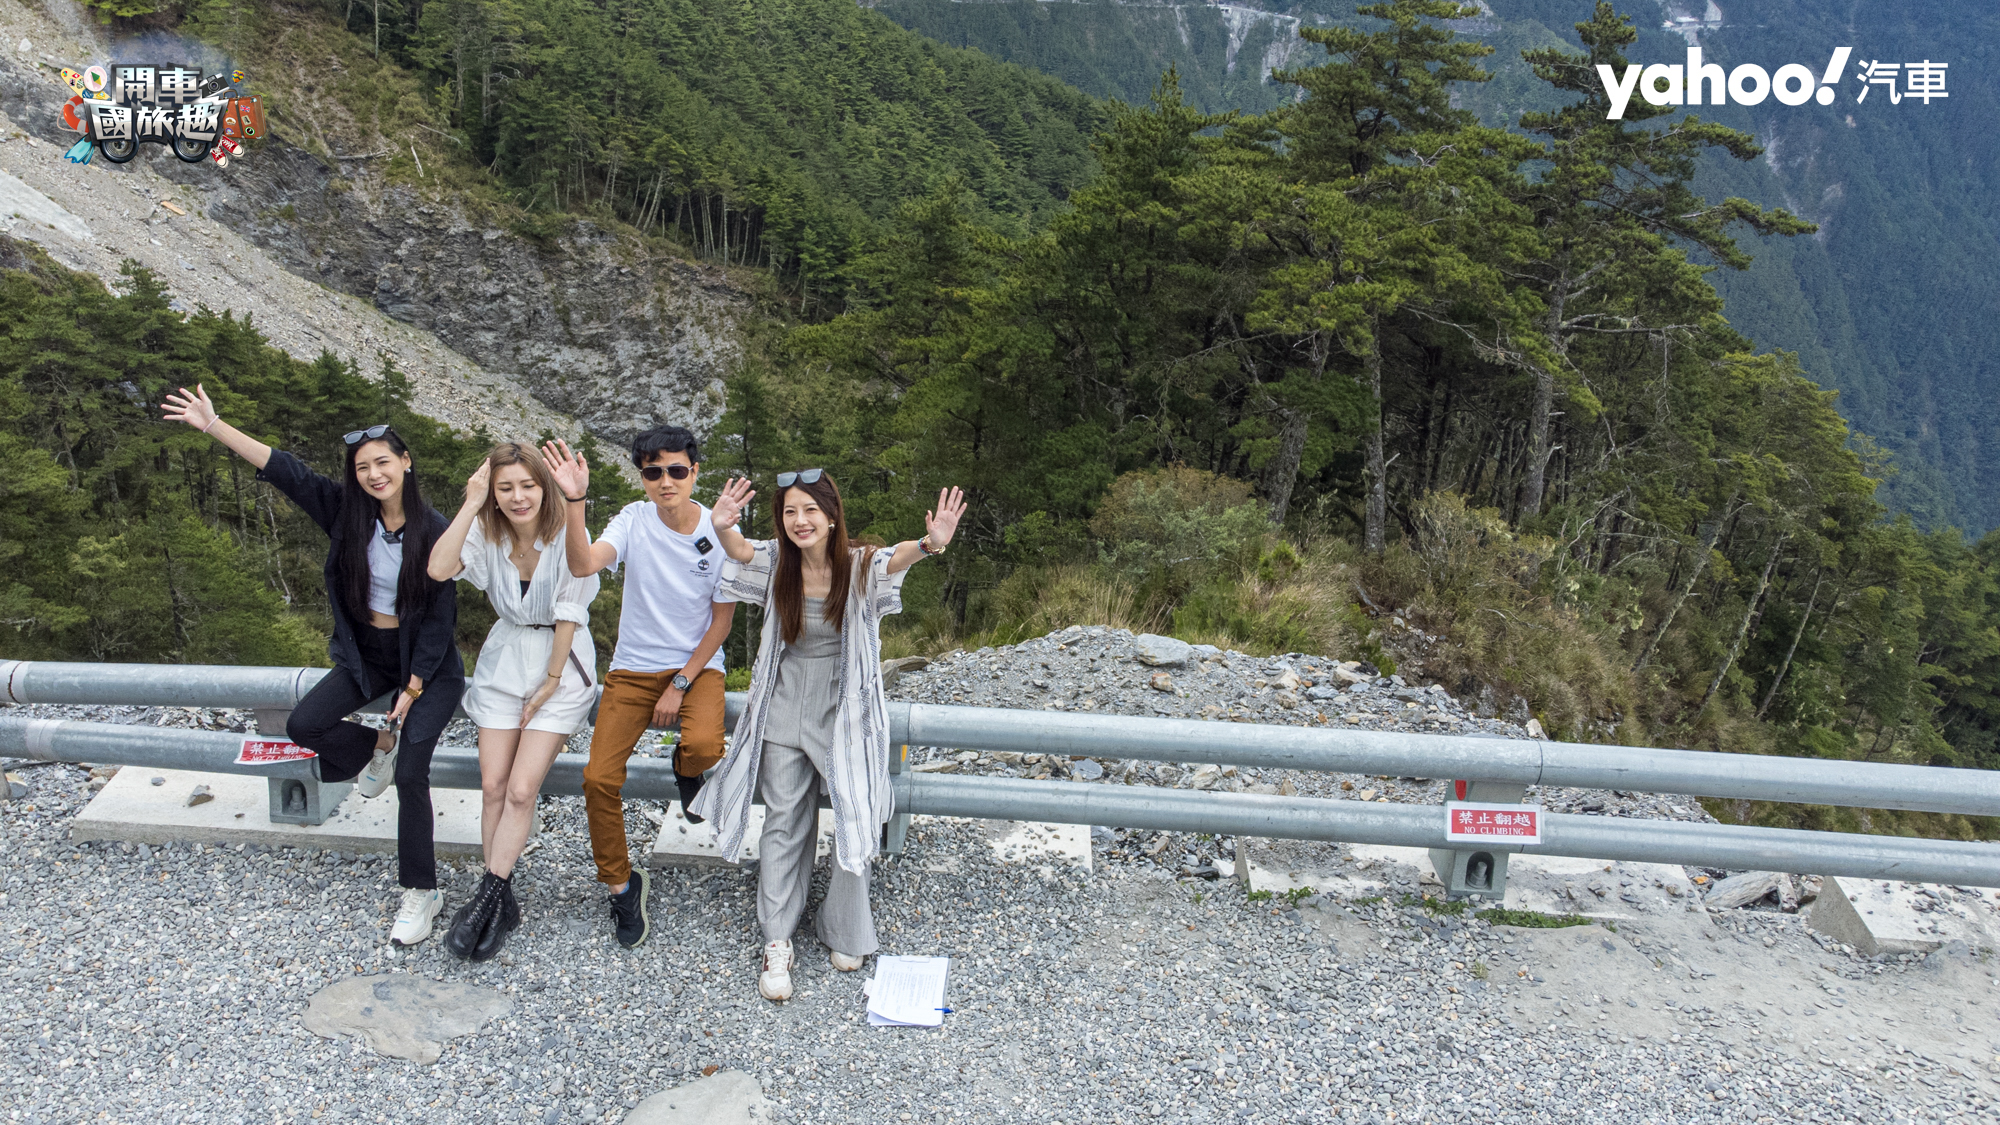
(385, 568)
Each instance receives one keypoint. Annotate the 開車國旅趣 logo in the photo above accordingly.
(1707, 83)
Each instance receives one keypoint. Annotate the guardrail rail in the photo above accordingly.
(1493, 769)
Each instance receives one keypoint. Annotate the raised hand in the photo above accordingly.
(190, 407)
(941, 525)
(736, 494)
(479, 484)
(571, 471)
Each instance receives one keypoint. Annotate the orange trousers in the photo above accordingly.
(623, 714)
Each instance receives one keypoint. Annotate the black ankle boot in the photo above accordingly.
(510, 910)
(505, 917)
(475, 918)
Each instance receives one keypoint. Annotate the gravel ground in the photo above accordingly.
(165, 984)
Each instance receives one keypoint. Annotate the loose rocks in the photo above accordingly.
(1154, 649)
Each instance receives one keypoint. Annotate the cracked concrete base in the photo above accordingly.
(1876, 917)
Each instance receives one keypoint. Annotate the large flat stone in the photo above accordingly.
(1745, 889)
(131, 808)
(402, 1015)
(727, 1097)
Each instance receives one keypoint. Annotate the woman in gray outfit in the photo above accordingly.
(817, 719)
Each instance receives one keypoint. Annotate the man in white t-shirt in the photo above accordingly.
(669, 656)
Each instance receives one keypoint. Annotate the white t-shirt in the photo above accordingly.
(670, 586)
(385, 569)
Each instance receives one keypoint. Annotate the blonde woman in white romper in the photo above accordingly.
(535, 679)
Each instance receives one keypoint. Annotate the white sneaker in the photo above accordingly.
(415, 915)
(846, 962)
(775, 983)
(381, 770)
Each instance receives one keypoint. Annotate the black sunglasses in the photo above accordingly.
(653, 472)
(356, 437)
(806, 476)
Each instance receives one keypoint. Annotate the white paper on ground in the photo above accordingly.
(908, 991)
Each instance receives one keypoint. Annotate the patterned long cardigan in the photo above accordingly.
(859, 762)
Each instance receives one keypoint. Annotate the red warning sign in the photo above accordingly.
(1477, 823)
(270, 751)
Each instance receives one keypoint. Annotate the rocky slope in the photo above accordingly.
(588, 324)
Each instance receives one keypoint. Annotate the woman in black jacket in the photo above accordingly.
(392, 627)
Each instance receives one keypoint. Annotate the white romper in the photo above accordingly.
(515, 658)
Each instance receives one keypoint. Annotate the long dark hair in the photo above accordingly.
(358, 514)
(790, 584)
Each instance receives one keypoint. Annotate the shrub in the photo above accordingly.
(1166, 531)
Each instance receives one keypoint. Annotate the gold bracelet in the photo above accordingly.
(414, 693)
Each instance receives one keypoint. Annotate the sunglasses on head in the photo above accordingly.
(807, 476)
(356, 437)
(654, 472)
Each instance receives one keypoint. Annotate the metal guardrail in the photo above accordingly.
(1523, 762)
(1497, 764)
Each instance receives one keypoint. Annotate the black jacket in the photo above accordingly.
(429, 650)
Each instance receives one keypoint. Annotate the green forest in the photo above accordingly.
(1359, 375)
(125, 538)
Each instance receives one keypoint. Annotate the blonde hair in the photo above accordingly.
(549, 523)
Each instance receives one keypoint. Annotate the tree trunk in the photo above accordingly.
(1283, 469)
(378, 28)
(1797, 635)
(1750, 614)
(1713, 531)
(1373, 534)
(1535, 477)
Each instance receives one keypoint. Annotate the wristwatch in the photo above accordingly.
(682, 683)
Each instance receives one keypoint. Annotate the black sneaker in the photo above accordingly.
(689, 787)
(628, 910)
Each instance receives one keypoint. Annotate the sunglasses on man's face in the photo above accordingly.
(654, 472)
(808, 476)
(356, 437)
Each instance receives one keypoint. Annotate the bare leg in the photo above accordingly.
(538, 750)
(496, 762)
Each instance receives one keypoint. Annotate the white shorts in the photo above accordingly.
(512, 665)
